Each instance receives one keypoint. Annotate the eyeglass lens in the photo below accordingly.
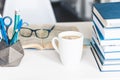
(40, 33)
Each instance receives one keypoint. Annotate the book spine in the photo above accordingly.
(97, 23)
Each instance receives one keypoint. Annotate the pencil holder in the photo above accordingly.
(11, 56)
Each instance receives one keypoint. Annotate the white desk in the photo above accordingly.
(46, 65)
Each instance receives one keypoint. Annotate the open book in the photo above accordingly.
(34, 42)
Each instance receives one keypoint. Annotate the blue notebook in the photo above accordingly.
(108, 13)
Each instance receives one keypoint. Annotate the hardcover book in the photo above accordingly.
(108, 13)
(105, 68)
(102, 41)
(107, 33)
(106, 48)
(104, 61)
(106, 55)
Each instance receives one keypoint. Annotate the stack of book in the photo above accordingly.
(105, 43)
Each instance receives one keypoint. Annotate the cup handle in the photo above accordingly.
(54, 44)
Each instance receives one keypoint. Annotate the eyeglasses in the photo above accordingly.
(40, 33)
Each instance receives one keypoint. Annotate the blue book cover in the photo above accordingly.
(108, 9)
(108, 13)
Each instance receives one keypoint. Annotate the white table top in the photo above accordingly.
(46, 65)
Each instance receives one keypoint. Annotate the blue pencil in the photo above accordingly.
(16, 21)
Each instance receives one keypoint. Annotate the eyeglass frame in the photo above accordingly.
(34, 30)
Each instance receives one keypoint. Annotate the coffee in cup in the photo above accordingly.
(71, 37)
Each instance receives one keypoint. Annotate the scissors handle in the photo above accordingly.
(7, 21)
(4, 34)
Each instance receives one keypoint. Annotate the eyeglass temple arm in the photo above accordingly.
(53, 27)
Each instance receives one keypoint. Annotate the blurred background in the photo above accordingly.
(70, 10)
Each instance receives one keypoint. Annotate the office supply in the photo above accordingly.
(106, 28)
(108, 54)
(16, 21)
(108, 13)
(11, 53)
(4, 27)
(114, 47)
(105, 68)
(107, 33)
(107, 48)
(103, 60)
(10, 56)
(4, 35)
(15, 35)
(7, 23)
(102, 41)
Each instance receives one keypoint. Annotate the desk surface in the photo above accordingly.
(46, 65)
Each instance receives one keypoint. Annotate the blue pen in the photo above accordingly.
(14, 40)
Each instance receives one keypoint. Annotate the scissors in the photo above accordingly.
(5, 24)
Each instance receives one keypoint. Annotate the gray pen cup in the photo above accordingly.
(11, 56)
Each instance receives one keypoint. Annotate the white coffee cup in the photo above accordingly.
(70, 47)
